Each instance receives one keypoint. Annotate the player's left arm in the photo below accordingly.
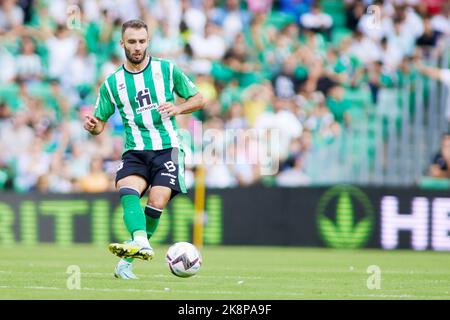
(192, 104)
(185, 89)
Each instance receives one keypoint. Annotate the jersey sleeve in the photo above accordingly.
(104, 107)
(182, 85)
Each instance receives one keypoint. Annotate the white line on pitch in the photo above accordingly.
(219, 292)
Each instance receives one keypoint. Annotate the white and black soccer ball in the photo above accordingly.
(184, 259)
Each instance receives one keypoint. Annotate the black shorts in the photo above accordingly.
(159, 168)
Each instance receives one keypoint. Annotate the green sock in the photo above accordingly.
(133, 216)
(151, 226)
(152, 216)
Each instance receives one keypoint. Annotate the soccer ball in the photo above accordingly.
(183, 259)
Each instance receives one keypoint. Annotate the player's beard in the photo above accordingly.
(132, 59)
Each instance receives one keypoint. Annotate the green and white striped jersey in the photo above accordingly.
(137, 96)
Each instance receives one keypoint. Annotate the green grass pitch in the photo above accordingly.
(228, 272)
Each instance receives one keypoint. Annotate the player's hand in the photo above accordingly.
(168, 109)
(90, 122)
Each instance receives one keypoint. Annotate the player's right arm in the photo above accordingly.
(104, 108)
(93, 125)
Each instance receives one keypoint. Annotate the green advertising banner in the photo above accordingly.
(98, 219)
(342, 217)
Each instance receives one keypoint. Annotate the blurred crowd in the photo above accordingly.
(260, 64)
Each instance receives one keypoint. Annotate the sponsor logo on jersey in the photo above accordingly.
(147, 108)
(143, 97)
(144, 100)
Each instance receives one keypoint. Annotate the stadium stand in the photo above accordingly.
(348, 99)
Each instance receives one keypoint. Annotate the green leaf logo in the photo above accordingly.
(345, 232)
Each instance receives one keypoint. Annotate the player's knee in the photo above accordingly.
(134, 182)
(157, 202)
(159, 197)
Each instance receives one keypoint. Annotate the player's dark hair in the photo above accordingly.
(135, 24)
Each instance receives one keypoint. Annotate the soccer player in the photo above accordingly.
(143, 90)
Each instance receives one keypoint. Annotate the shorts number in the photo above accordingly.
(170, 166)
